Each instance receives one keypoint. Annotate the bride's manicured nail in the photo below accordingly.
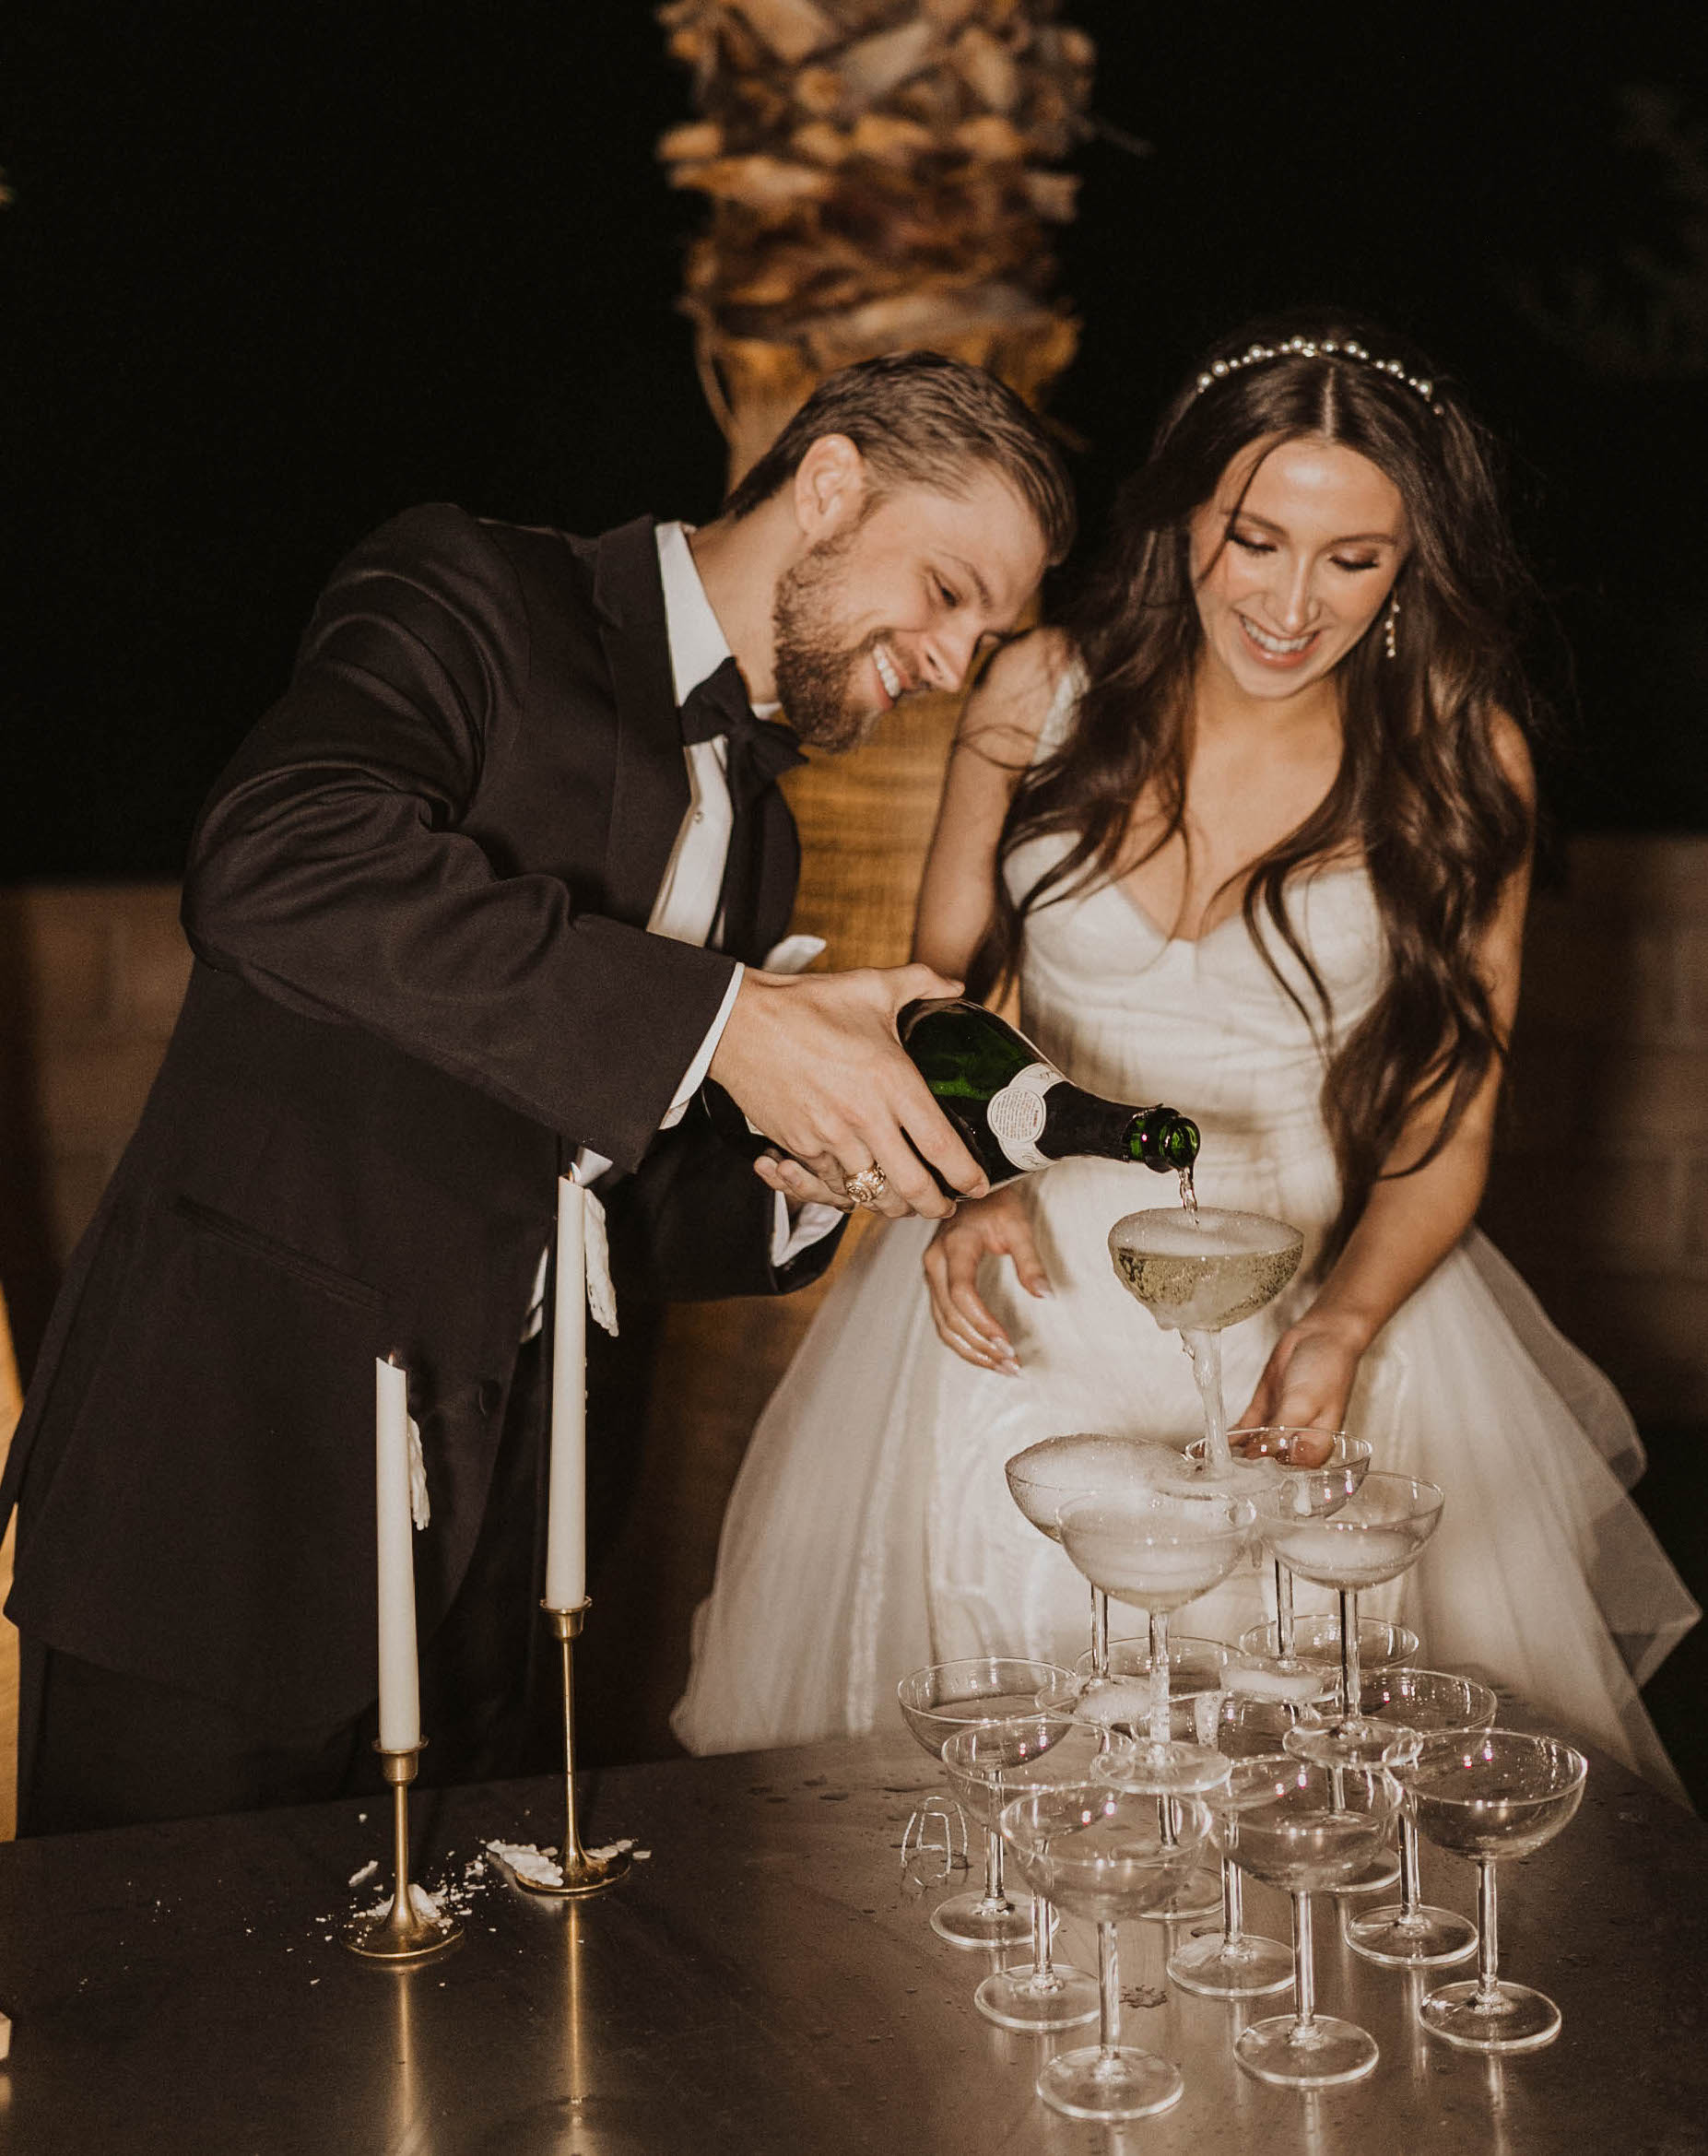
(1010, 1368)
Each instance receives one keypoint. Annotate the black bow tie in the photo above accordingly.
(763, 850)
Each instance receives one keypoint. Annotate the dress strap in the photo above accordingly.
(1058, 720)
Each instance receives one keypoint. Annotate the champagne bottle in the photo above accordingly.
(1014, 1110)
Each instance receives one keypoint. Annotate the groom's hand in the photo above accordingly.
(813, 1060)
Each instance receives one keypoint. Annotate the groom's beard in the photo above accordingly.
(814, 673)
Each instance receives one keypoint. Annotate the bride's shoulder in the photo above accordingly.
(1026, 688)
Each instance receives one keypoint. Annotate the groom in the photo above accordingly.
(484, 898)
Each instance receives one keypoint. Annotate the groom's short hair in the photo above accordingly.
(921, 419)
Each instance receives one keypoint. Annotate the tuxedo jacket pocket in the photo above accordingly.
(313, 1271)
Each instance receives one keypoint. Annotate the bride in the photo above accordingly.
(1251, 831)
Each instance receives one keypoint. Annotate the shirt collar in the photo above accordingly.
(698, 645)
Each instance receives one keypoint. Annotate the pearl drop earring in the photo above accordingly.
(1392, 640)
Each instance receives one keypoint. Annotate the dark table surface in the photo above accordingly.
(765, 1981)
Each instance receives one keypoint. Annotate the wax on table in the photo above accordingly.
(400, 1697)
(566, 1516)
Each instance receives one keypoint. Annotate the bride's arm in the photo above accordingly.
(1409, 1222)
(995, 742)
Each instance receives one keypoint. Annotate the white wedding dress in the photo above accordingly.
(870, 1530)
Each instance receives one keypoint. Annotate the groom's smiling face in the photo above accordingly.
(900, 598)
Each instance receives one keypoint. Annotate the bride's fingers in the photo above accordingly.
(961, 1320)
(954, 1334)
(1028, 1266)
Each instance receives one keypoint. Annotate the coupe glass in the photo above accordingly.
(936, 1701)
(1199, 1271)
(1416, 1704)
(1317, 1643)
(1084, 1463)
(1280, 1818)
(1495, 1793)
(1377, 1534)
(1159, 1550)
(1099, 1853)
(1318, 1471)
(987, 1767)
(1123, 1702)
(1229, 1962)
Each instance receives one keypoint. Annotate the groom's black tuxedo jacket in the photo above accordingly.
(417, 901)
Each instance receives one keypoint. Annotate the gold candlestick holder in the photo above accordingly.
(581, 1874)
(401, 1934)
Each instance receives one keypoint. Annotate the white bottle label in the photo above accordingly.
(1015, 1115)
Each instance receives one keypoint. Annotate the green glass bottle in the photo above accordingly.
(1014, 1110)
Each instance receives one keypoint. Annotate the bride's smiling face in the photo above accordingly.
(1292, 559)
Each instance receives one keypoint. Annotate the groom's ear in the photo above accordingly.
(830, 488)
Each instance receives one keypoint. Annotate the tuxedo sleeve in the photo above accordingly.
(330, 869)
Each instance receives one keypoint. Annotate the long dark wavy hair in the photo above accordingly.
(1420, 795)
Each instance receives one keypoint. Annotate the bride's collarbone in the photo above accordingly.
(1189, 894)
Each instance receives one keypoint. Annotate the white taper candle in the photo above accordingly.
(566, 1516)
(400, 1692)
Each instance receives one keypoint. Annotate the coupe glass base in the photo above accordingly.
(1013, 1998)
(1428, 1939)
(1165, 1770)
(1520, 2020)
(1330, 2052)
(971, 1921)
(1097, 2085)
(1249, 1967)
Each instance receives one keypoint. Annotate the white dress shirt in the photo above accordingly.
(686, 909)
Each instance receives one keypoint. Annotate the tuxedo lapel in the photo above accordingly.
(649, 797)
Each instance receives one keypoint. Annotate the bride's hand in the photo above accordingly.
(1308, 1379)
(995, 1226)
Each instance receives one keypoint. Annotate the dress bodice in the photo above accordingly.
(1204, 1024)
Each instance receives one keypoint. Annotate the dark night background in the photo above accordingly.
(272, 275)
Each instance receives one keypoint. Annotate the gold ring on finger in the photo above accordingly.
(866, 1185)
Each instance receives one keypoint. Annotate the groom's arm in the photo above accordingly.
(331, 871)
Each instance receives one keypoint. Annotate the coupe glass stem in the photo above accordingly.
(1232, 1903)
(1304, 1973)
(1043, 1973)
(1100, 1633)
(1487, 1940)
(1284, 1631)
(1108, 1992)
(995, 1895)
(1351, 1677)
(1410, 1884)
(1158, 1677)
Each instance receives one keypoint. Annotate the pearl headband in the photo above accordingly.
(1312, 349)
